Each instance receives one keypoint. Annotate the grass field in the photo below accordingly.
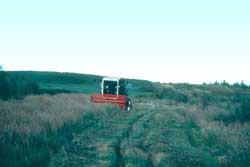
(171, 125)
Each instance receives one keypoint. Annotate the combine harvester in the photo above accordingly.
(113, 90)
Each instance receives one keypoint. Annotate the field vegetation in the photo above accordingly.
(171, 125)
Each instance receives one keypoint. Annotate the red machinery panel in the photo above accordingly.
(120, 100)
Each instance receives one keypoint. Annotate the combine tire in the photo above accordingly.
(128, 105)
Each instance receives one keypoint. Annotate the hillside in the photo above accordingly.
(171, 125)
(54, 82)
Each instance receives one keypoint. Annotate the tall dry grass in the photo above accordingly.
(35, 114)
(228, 142)
(34, 128)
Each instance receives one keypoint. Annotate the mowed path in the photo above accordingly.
(145, 136)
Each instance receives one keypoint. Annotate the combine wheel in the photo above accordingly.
(128, 105)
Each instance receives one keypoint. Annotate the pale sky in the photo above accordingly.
(168, 41)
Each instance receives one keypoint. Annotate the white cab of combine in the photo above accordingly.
(110, 85)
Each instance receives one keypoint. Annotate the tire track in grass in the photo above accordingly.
(99, 144)
(145, 123)
(81, 150)
(122, 127)
(119, 156)
(125, 136)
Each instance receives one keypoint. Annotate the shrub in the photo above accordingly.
(207, 99)
(172, 94)
(5, 91)
(15, 88)
(243, 112)
(159, 92)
